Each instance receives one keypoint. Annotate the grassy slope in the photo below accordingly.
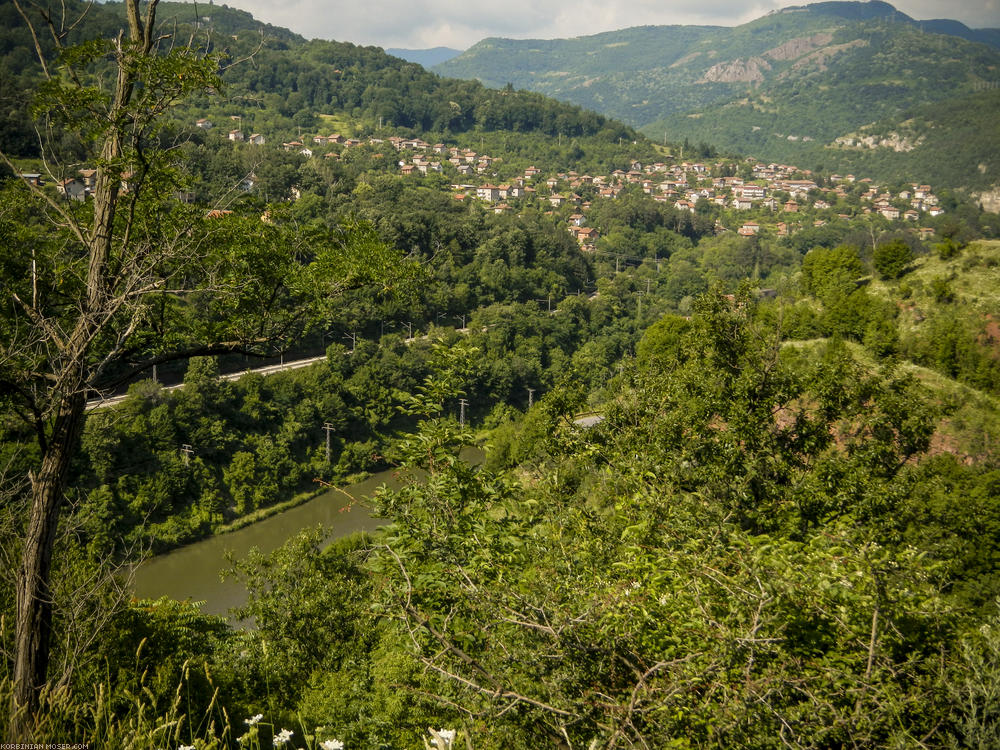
(974, 277)
(971, 425)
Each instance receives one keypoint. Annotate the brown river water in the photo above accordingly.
(194, 572)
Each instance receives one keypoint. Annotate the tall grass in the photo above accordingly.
(126, 716)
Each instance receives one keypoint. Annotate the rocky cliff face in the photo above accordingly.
(812, 51)
(737, 71)
(793, 49)
(989, 199)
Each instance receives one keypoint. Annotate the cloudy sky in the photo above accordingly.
(419, 24)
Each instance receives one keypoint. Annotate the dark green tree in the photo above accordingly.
(891, 259)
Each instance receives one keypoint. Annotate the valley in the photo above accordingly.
(737, 413)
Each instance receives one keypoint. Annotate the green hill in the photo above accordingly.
(278, 83)
(784, 87)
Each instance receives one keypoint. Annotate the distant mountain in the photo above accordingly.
(796, 85)
(426, 57)
(875, 10)
(957, 28)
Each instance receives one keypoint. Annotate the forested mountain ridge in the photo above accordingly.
(878, 10)
(277, 83)
(784, 87)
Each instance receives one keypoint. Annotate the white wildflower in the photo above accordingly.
(447, 736)
(283, 736)
(253, 719)
(332, 745)
(185, 747)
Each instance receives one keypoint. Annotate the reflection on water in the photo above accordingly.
(194, 572)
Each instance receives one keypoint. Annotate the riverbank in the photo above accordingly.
(272, 510)
(194, 572)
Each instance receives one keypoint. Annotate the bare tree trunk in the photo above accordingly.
(75, 343)
(33, 626)
(33, 623)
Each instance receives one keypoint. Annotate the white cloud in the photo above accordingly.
(459, 23)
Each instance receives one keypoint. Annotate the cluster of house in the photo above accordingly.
(465, 161)
(236, 135)
(79, 187)
(681, 185)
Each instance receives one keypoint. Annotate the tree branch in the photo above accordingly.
(199, 350)
(34, 37)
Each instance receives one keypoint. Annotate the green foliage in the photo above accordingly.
(947, 249)
(891, 259)
(723, 559)
(157, 685)
(828, 272)
(662, 343)
(973, 691)
(307, 610)
(955, 344)
(748, 544)
(941, 290)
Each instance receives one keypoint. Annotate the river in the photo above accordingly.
(194, 571)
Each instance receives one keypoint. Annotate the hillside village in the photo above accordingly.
(785, 192)
(779, 199)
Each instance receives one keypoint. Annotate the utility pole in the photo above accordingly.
(328, 427)
(187, 450)
(531, 397)
(462, 403)
(154, 373)
(353, 337)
